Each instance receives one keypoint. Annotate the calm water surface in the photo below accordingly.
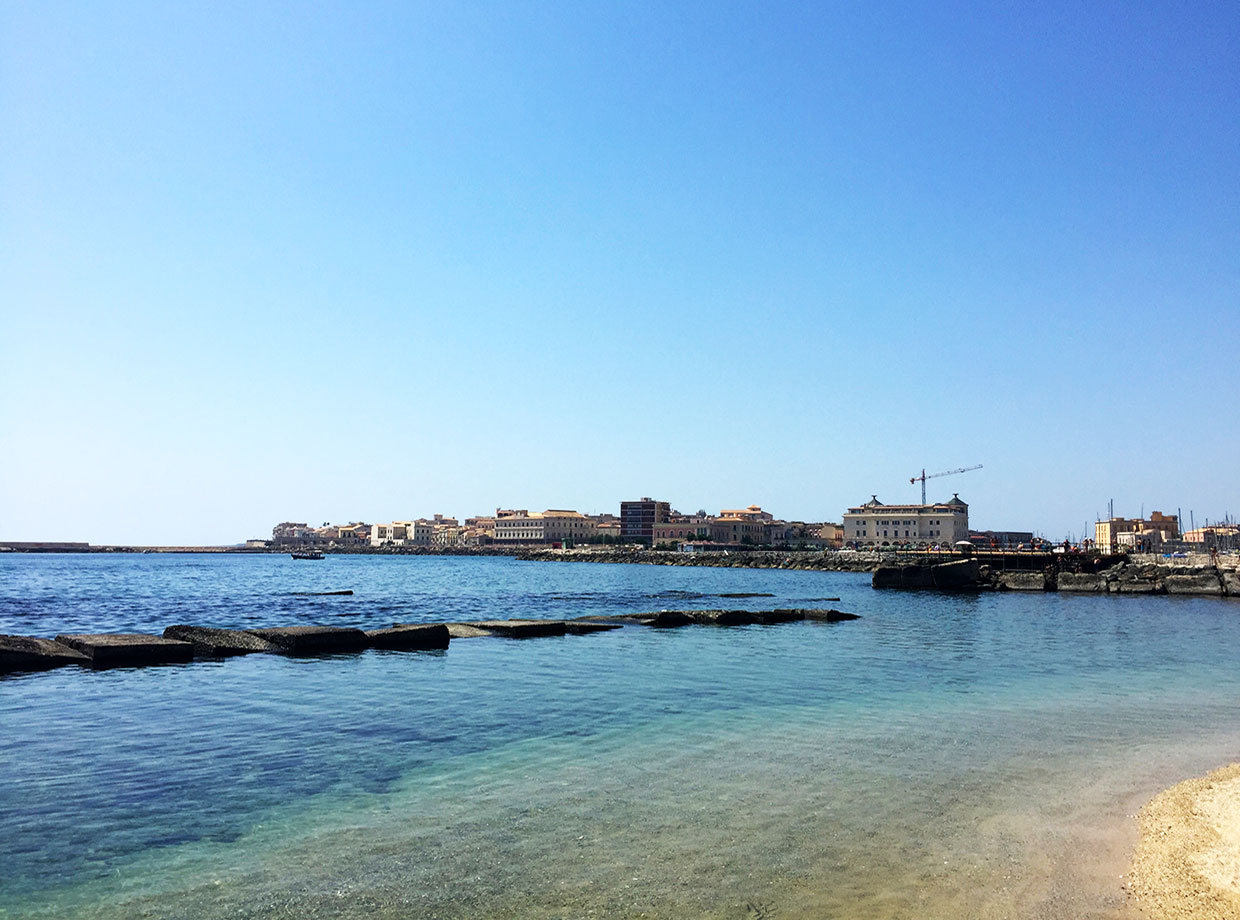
(943, 757)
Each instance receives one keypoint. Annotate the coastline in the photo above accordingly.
(1187, 864)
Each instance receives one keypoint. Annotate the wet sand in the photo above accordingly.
(1188, 862)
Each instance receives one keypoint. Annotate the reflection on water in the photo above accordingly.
(942, 757)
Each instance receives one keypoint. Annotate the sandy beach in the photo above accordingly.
(1188, 861)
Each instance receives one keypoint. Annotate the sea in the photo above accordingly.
(944, 756)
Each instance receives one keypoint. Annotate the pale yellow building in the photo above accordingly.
(942, 523)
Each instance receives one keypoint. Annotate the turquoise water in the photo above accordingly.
(944, 756)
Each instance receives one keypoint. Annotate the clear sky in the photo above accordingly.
(371, 261)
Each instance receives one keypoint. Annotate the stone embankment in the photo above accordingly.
(1134, 575)
(740, 559)
(183, 643)
(1149, 577)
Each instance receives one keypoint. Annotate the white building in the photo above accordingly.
(402, 533)
(874, 522)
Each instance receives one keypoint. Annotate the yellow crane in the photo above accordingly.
(923, 477)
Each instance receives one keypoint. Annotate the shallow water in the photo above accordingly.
(944, 756)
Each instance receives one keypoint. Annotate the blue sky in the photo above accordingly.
(262, 262)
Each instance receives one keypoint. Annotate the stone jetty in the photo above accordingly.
(1104, 575)
(1197, 574)
(664, 619)
(184, 642)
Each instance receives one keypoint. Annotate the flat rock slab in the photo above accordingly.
(1023, 581)
(779, 615)
(828, 616)
(410, 636)
(110, 650)
(26, 653)
(581, 627)
(467, 631)
(1193, 584)
(667, 619)
(522, 629)
(723, 617)
(313, 640)
(1082, 582)
(219, 643)
(1134, 587)
(1231, 584)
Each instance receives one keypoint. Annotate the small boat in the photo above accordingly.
(311, 555)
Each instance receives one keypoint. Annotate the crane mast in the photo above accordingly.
(923, 477)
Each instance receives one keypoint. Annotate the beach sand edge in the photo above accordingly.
(1187, 863)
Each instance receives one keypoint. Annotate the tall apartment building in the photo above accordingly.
(637, 519)
(874, 522)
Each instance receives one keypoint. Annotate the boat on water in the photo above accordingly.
(311, 555)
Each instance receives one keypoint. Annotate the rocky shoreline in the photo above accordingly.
(1137, 574)
(747, 559)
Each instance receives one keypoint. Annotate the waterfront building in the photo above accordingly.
(551, 526)
(752, 513)
(518, 527)
(352, 534)
(1215, 536)
(676, 531)
(831, 534)
(637, 519)
(566, 526)
(730, 529)
(402, 533)
(1117, 531)
(445, 535)
(942, 523)
(482, 524)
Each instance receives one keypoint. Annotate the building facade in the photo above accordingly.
(875, 523)
(551, 526)
(402, 533)
(637, 519)
(677, 531)
(738, 530)
(1117, 531)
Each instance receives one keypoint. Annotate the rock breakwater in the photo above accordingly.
(845, 561)
(1121, 575)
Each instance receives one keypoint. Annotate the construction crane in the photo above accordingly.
(923, 477)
